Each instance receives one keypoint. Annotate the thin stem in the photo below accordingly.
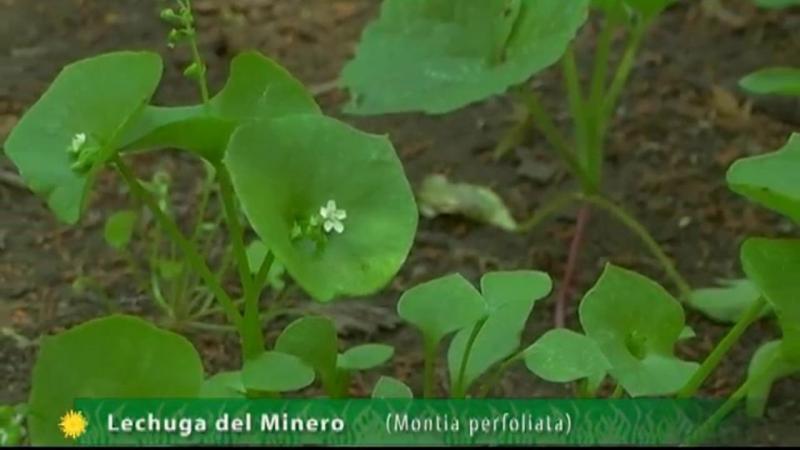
(596, 117)
(263, 272)
(187, 247)
(618, 392)
(459, 390)
(637, 228)
(572, 263)
(498, 373)
(252, 337)
(558, 204)
(430, 361)
(712, 361)
(198, 59)
(553, 135)
(575, 95)
(621, 75)
(703, 430)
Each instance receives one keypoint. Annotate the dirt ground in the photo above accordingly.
(683, 121)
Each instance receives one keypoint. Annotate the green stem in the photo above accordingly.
(556, 205)
(177, 236)
(575, 95)
(703, 430)
(637, 228)
(430, 361)
(198, 59)
(621, 76)
(498, 373)
(252, 337)
(553, 135)
(618, 392)
(712, 361)
(596, 120)
(459, 390)
(263, 272)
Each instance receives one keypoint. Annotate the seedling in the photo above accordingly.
(440, 56)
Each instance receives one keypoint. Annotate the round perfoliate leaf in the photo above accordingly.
(119, 228)
(112, 357)
(771, 179)
(388, 387)
(276, 372)
(728, 302)
(332, 203)
(562, 355)
(314, 340)
(499, 288)
(442, 306)
(257, 88)
(636, 324)
(78, 123)
(364, 357)
(439, 56)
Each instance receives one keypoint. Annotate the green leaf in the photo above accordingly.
(777, 4)
(257, 88)
(112, 357)
(771, 179)
(98, 97)
(437, 195)
(365, 357)
(622, 11)
(119, 228)
(510, 297)
(256, 252)
(773, 265)
(314, 340)
(223, 385)
(312, 160)
(636, 324)
(441, 55)
(388, 387)
(562, 356)
(727, 303)
(276, 372)
(687, 333)
(169, 269)
(442, 306)
(773, 81)
(767, 366)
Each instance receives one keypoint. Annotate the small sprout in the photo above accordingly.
(332, 217)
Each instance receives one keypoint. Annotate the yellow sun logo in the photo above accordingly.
(73, 424)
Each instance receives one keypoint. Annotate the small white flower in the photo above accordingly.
(332, 217)
(78, 142)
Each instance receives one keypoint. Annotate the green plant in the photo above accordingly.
(437, 56)
(12, 427)
(274, 158)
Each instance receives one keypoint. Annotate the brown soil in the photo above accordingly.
(683, 121)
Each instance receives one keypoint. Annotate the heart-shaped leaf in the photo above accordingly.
(441, 55)
(223, 385)
(314, 340)
(771, 179)
(636, 324)
(773, 81)
(309, 163)
(442, 306)
(437, 195)
(119, 228)
(767, 366)
(510, 296)
(773, 265)
(112, 357)
(562, 355)
(388, 387)
(276, 372)
(726, 303)
(84, 112)
(257, 88)
(365, 357)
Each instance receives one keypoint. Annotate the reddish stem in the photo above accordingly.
(572, 262)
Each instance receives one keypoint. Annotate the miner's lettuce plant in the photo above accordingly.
(277, 161)
(436, 56)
